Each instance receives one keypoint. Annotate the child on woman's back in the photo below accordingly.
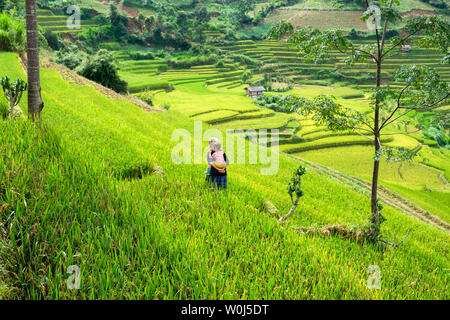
(216, 157)
(210, 158)
(219, 159)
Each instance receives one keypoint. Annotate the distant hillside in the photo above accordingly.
(340, 14)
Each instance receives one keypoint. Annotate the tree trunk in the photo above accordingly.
(376, 169)
(35, 103)
(375, 215)
(294, 206)
(11, 105)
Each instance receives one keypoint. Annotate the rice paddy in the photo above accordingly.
(216, 96)
(59, 23)
(171, 237)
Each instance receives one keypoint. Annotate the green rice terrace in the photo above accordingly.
(94, 182)
(158, 227)
(56, 21)
(216, 95)
(275, 59)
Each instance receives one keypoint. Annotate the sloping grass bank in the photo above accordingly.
(64, 203)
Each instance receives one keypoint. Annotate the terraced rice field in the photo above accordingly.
(344, 151)
(281, 60)
(344, 20)
(154, 74)
(57, 23)
(169, 237)
(216, 96)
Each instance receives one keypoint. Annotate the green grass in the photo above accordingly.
(171, 237)
(218, 105)
(230, 109)
(436, 158)
(409, 179)
(187, 97)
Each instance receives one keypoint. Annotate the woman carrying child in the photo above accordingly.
(217, 161)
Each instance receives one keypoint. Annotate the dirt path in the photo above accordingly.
(387, 196)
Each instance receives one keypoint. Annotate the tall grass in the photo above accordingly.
(171, 237)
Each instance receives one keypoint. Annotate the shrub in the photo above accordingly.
(161, 54)
(437, 134)
(353, 96)
(187, 62)
(102, 68)
(246, 76)
(70, 57)
(353, 34)
(53, 40)
(12, 34)
(281, 103)
(146, 96)
(138, 55)
(13, 91)
(220, 64)
(244, 60)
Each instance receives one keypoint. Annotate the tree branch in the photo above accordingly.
(294, 206)
(393, 244)
(395, 110)
(385, 28)
(368, 53)
(404, 113)
(423, 107)
(428, 106)
(399, 42)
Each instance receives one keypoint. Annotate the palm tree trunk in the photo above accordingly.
(35, 103)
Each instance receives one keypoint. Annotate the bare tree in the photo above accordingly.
(35, 103)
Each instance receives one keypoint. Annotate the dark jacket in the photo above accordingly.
(214, 172)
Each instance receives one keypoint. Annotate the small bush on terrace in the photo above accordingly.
(187, 62)
(245, 60)
(138, 55)
(70, 57)
(281, 103)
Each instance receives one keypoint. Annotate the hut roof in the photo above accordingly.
(255, 89)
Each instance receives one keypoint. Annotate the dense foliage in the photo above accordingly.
(101, 68)
(281, 103)
(12, 33)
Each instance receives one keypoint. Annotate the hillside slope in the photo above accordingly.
(69, 197)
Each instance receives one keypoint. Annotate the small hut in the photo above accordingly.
(406, 48)
(254, 92)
